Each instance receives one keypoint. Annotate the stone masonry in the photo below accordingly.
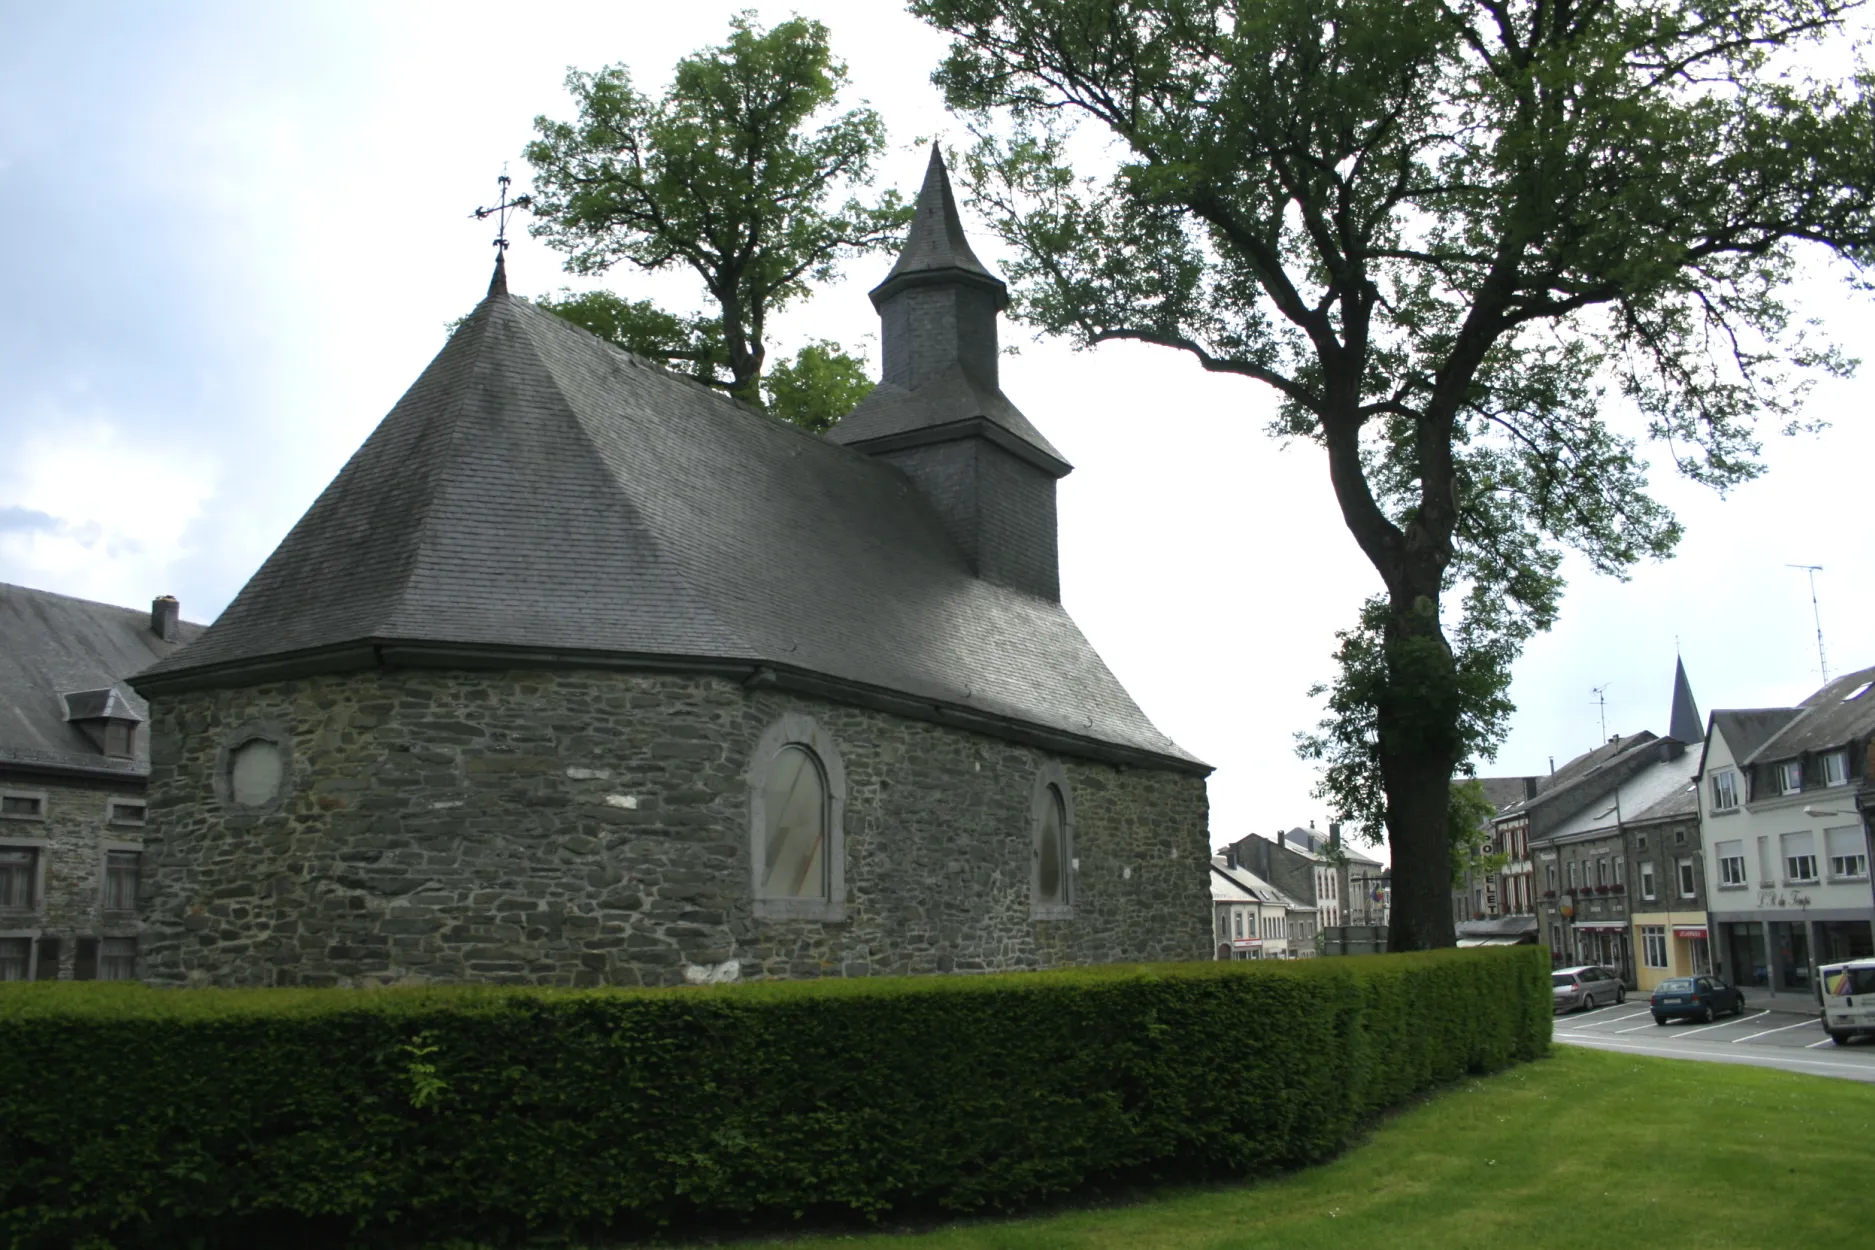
(71, 838)
(589, 827)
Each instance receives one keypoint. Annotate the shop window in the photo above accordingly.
(1654, 946)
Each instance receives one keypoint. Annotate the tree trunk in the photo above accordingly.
(1417, 722)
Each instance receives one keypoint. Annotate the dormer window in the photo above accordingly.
(1835, 768)
(1789, 776)
(106, 717)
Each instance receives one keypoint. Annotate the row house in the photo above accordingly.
(1783, 799)
(1256, 920)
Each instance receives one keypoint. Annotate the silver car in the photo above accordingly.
(1591, 985)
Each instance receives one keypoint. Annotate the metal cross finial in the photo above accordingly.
(501, 210)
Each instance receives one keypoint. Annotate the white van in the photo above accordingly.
(1848, 998)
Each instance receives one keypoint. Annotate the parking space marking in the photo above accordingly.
(1828, 1041)
(1767, 1032)
(1762, 1057)
(1636, 1028)
(1706, 1028)
(1632, 1015)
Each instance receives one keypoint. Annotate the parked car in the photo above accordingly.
(1589, 985)
(1700, 998)
(1843, 984)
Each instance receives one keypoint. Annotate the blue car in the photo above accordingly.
(1696, 998)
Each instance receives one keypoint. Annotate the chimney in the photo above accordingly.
(165, 616)
(939, 415)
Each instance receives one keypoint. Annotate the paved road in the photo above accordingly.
(1766, 1039)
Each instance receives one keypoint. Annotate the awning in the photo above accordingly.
(1511, 940)
(1603, 926)
(1689, 930)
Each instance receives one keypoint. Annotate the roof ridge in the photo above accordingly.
(452, 416)
(658, 551)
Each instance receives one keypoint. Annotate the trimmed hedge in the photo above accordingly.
(137, 1117)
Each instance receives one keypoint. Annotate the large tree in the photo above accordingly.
(1481, 250)
(734, 173)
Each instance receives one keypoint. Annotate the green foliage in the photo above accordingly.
(1448, 233)
(234, 1118)
(727, 175)
(690, 344)
(813, 389)
(818, 387)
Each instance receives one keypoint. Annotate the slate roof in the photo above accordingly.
(1505, 792)
(1684, 723)
(1565, 780)
(540, 495)
(52, 646)
(1745, 730)
(1829, 718)
(1663, 781)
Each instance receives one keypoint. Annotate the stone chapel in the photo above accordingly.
(580, 673)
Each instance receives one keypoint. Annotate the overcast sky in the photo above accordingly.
(235, 233)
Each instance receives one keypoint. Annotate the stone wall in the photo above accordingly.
(591, 828)
(71, 839)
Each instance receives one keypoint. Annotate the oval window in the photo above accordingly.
(255, 770)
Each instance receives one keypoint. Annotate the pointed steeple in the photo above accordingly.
(1686, 724)
(498, 285)
(939, 413)
(935, 248)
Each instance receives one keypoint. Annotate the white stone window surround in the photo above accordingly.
(229, 754)
(796, 729)
(1051, 787)
(16, 804)
(126, 812)
(37, 903)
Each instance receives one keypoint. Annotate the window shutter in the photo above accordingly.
(48, 959)
(85, 961)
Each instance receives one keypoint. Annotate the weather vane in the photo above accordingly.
(501, 210)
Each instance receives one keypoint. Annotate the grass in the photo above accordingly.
(1583, 1148)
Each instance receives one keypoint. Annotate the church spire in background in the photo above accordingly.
(1686, 724)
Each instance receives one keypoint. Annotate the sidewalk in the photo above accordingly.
(1797, 1002)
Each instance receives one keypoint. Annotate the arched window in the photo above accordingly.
(797, 799)
(794, 837)
(1052, 846)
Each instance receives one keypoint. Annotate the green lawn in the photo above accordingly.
(1585, 1148)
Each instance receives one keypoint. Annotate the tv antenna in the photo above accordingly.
(1822, 662)
(1601, 701)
